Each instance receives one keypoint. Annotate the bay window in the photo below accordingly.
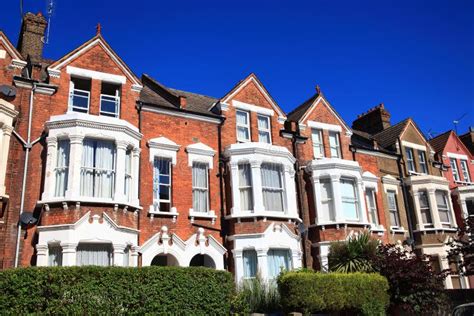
(278, 260)
(465, 171)
(327, 210)
(249, 259)
(200, 187)
(334, 145)
(393, 209)
(62, 168)
(422, 161)
(94, 254)
(318, 147)
(443, 208)
(410, 160)
(372, 206)
(98, 168)
(245, 187)
(110, 99)
(162, 184)
(454, 169)
(349, 199)
(243, 126)
(272, 187)
(425, 209)
(79, 95)
(264, 132)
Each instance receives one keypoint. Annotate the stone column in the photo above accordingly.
(135, 171)
(75, 164)
(290, 194)
(257, 186)
(234, 167)
(134, 256)
(434, 208)
(238, 265)
(50, 178)
(4, 148)
(119, 192)
(262, 262)
(69, 254)
(42, 255)
(119, 255)
(337, 198)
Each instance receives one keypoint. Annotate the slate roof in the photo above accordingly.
(300, 111)
(439, 141)
(154, 92)
(389, 136)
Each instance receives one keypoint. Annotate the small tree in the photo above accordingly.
(353, 255)
(414, 285)
(462, 247)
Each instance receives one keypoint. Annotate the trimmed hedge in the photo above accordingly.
(114, 290)
(310, 292)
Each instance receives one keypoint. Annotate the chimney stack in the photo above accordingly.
(373, 121)
(30, 42)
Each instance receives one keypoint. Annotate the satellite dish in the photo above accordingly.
(27, 218)
(7, 90)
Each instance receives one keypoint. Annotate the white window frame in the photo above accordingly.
(246, 126)
(429, 208)
(444, 210)
(330, 199)
(422, 161)
(319, 144)
(205, 189)
(156, 185)
(354, 200)
(337, 146)
(128, 177)
(465, 170)
(373, 213)
(454, 169)
(111, 98)
(72, 89)
(268, 130)
(395, 211)
(64, 169)
(246, 187)
(281, 190)
(409, 153)
(254, 252)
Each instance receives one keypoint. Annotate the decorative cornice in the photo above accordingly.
(259, 148)
(334, 163)
(163, 143)
(8, 109)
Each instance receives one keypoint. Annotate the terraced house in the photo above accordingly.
(101, 167)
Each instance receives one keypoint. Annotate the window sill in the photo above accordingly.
(202, 215)
(340, 224)
(378, 229)
(397, 230)
(464, 183)
(86, 200)
(172, 213)
(414, 173)
(436, 230)
(263, 214)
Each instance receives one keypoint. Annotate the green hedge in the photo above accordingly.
(307, 291)
(114, 290)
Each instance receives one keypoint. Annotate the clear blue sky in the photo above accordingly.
(417, 57)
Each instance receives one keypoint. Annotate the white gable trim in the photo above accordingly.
(329, 127)
(163, 147)
(313, 106)
(98, 75)
(457, 156)
(55, 71)
(260, 88)
(252, 108)
(413, 145)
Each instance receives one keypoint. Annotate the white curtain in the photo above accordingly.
(349, 199)
(242, 125)
(272, 187)
(98, 168)
(62, 168)
(128, 175)
(200, 189)
(327, 208)
(263, 129)
(249, 258)
(55, 256)
(278, 260)
(94, 255)
(441, 201)
(245, 187)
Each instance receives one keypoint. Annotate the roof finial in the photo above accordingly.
(98, 28)
(318, 89)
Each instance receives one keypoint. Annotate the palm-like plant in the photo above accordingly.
(353, 255)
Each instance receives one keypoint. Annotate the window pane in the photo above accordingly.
(263, 122)
(272, 187)
(94, 254)
(242, 118)
(349, 200)
(278, 260)
(334, 144)
(410, 161)
(243, 133)
(245, 186)
(425, 208)
(55, 256)
(318, 147)
(393, 209)
(422, 160)
(465, 171)
(371, 204)
(249, 258)
(327, 210)
(454, 169)
(200, 188)
(62, 170)
(264, 137)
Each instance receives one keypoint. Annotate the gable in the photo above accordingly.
(95, 53)
(455, 145)
(9, 52)
(413, 135)
(251, 91)
(321, 111)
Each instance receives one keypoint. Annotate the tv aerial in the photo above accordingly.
(50, 6)
(456, 122)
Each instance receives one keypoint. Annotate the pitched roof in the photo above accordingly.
(298, 113)
(389, 136)
(154, 92)
(439, 142)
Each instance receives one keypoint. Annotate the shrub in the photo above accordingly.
(310, 292)
(353, 255)
(256, 296)
(114, 290)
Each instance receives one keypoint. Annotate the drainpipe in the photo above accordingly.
(27, 146)
(139, 110)
(405, 192)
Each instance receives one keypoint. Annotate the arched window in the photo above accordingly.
(164, 260)
(202, 261)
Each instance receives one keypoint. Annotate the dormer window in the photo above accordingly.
(110, 99)
(79, 95)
